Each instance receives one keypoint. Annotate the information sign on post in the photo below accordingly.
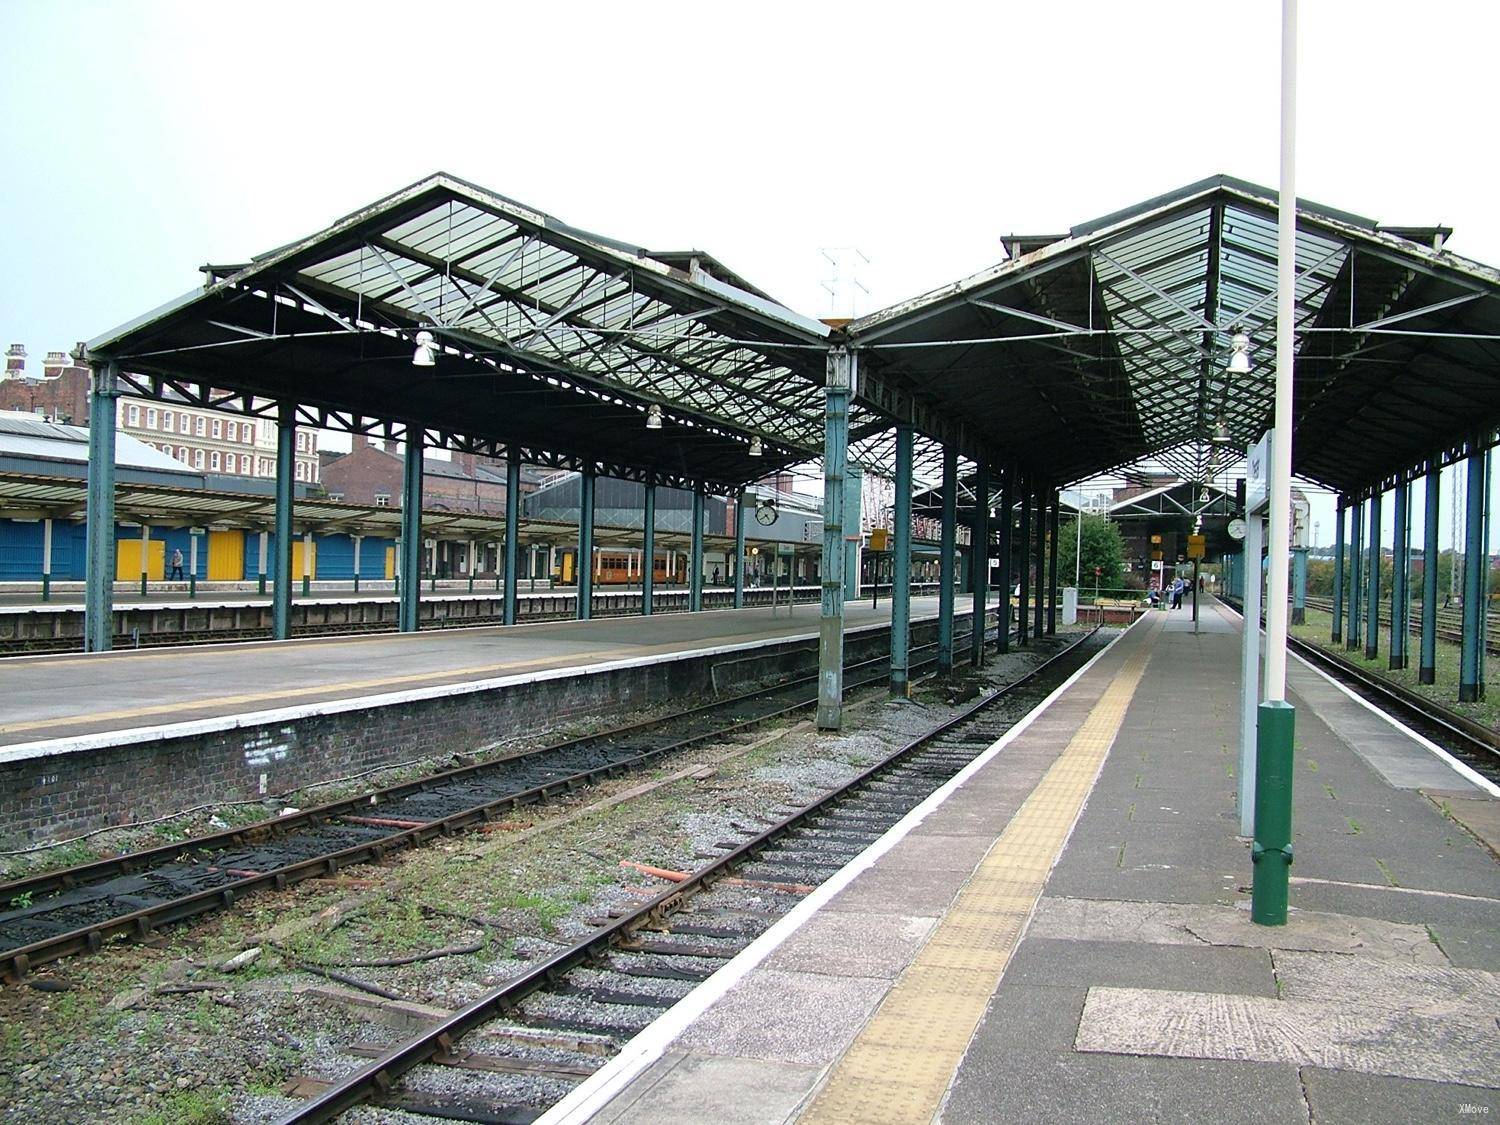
(1197, 546)
(1258, 475)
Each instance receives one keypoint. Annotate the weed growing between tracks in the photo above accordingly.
(159, 1031)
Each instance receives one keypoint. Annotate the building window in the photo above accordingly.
(382, 499)
(182, 454)
(150, 417)
(185, 422)
(218, 427)
(335, 496)
(168, 421)
(213, 461)
(134, 416)
(265, 466)
(197, 458)
(301, 471)
(198, 425)
(231, 431)
(245, 463)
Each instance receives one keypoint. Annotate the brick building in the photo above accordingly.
(371, 473)
(208, 441)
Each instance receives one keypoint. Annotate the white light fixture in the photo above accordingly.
(426, 353)
(1239, 356)
(653, 417)
(1222, 436)
(755, 449)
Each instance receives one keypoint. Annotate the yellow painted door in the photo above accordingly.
(226, 555)
(128, 560)
(390, 562)
(312, 570)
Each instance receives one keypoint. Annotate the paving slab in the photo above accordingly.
(1205, 968)
(679, 1085)
(1345, 1095)
(853, 944)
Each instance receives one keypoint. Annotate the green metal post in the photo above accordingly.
(586, 544)
(1054, 504)
(695, 574)
(841, 368)
(979, 557)
(1427, 660)
(99, 572)
(1401, 561)
(1356, 572)
(145, 555)
(261, 572)
(1023, 610)
(648, 551)
(307, 563)
(901, 573)
(512, 535)
(1299, 585)
(47, 559)
(357, 540)
(1039, 623)
(1007, 561)
(948, 540)
(410, 586)
(1372, 607)
(281, 564)
(1476, 568)
(1338, 572)
(1271, 853)
(192, 564)
(739, 549)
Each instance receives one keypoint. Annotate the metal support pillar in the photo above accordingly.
(47, 559)
(145, 556)
(192, 564)
(307, 562)
(979, 557)
(586, 544)
(1023, 609)
(1476, 575)
(281, 564)
(1299, 585)
(99, 573)
(1401, 563)
(695, 578)
(1427, 659)
(1055, 503)
(841, 373)
(512, 536)
(948, 539)
(1356, 572)
(1007, 562)
(1372, 604)
(739, 549)
(1338, 572)
(648, 551)
(265, 546)
(411, 531)
(1250, 673)
(901, 569)
(1038, 612)
(357, 540)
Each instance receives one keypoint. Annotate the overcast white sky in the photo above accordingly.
(141, 139)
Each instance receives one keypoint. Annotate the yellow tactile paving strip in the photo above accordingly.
(899, 1067)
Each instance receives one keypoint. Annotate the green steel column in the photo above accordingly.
(1372, 604)
(410, 547)
(901, 571)
(979, 558)
(281, 564)
(1338, 571)
(1038, 625)
(1476, 568)
(739, 549)
(1427, 660)
(648, 551)
(99, 568)
(1271, 852)
(1007, 562)
(1055, 502)
(695, 577)
(1023, 609)
(1356, 572)
(1299, 585)
(1401, 560)
(585, 565)
(948, 539)
(47, 559)
(512, 535)
(841, 373)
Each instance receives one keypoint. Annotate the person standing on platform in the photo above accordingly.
(715, 582)
(176, 564)
(1177, 593)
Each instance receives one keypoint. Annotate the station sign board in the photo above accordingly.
(1197, 546)
(1258, 474)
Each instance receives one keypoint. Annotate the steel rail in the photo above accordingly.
(381, 1074)
(138, 924)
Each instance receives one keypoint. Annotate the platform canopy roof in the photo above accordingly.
(553, 341)
(1108, 346)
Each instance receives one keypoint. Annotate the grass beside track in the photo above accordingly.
(1444, 692)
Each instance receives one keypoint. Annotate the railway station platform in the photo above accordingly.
(1062, 933)
(93, 739)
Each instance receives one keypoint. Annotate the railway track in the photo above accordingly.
(535, 1037)
(79, 909)
(1472, 742)
(1449, 622)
